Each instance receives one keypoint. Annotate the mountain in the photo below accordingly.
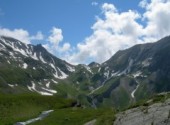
(27, 67)
(135, 73)
(128, 76)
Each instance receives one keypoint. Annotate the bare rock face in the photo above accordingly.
(155, 114)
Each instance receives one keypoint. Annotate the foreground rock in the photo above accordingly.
(155, 114)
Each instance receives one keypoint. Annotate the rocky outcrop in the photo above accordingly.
(155, 114)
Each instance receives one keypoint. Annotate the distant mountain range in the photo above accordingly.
(128, 76)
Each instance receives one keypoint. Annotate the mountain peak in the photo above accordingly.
(94, 64)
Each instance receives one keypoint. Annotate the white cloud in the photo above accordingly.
(143, 3)
(119, 30)
(113, 32)
(157, 17)
(38, 36)
(94, 3)
(49, 48)
(21, 35)
(108, 7)
(56, 36)
(55, 45)
(65, 47)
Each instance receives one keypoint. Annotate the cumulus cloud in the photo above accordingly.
(157, 17)
(106, 7)
(55, 45)
(116, 30)
(143, 3)
(21, 35)
(65, 47)
(56, 36)
(38, 36)
(113, 32)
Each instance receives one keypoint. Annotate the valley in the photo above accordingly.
(32, 80)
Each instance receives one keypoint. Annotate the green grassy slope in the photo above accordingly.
(17, 108)
(14, 108)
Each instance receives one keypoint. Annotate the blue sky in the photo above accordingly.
(75, 19)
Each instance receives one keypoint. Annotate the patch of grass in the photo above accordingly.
(78, 116)
(112, 83)
(121, 98)
(69, 116)
(107, 118)
(144, 109)
(17, 108)
(142, 92)
(151, 100)
(66, 90)
(14, 108)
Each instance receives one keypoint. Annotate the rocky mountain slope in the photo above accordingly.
(128, 76)
(28, 67)
(134, 74)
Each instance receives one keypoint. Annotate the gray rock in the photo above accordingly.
(155, 114)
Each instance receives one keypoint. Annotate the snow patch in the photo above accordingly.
(115, 74)
(33, 88)
(42, 59)
(2, 46)
(56, 73)
(99, 69)
(106, 74)
(63, 75)
(34, 56)
(46, 80)
(54, 81)
(10, 85)
(128, 68)
(137, 74)
(87, 68)
(45, 93)
(50, 90)
(71, 69)
(146, 62)
(25, 65)
(106, 68)
(133, 92)
(8, 62)
(48, 85)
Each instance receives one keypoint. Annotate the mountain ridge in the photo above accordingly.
(128, 76)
